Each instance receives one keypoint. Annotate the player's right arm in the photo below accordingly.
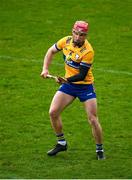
(47, 60)
(49, 55)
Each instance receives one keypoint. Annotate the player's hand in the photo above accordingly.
(44, 73)
(61, 80)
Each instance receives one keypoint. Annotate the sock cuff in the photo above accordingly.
(60, 135)
(99, 144)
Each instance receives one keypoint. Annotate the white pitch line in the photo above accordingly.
(19, 58)
(114, 71)
(58, 64)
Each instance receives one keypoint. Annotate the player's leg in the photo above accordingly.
(91, 110)
(58, 104)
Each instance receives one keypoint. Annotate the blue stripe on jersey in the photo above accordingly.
(71, 63)
(85, 64)
(57, 47)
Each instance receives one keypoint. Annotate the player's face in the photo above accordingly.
(78, 38)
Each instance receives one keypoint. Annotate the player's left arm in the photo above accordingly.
(83, 69)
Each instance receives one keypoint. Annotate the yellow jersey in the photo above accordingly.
(76, 56)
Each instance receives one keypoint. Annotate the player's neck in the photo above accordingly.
(78, 44)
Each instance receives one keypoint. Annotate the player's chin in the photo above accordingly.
(77, 43)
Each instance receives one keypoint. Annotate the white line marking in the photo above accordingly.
(19, 58)
(114, 71)
(58, 64)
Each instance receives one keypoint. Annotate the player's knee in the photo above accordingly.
(93, 120)
(53, 113)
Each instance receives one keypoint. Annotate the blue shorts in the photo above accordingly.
(82, 91)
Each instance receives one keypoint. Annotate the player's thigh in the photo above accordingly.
(91, 107)
(60, 101)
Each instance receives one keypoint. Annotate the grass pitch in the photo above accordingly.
(27, 30)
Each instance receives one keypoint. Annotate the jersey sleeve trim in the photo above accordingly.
(57, 47)
(85, 64)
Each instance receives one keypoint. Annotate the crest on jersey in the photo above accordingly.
(76, 56)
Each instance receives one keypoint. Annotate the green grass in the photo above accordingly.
(27, 29)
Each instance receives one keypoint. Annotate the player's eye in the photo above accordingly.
(79, 33)
(76, 33)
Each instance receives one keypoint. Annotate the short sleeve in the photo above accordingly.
(60, 44)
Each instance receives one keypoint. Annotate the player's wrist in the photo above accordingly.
(67, 80)
(45, 69)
